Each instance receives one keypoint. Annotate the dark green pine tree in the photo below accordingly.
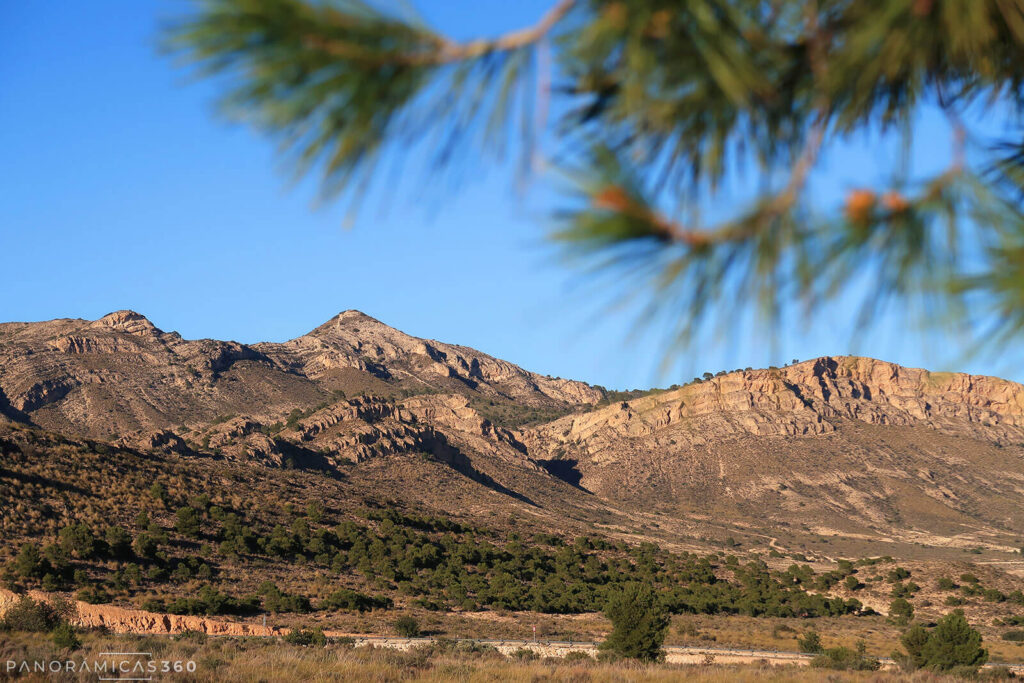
(953, 644)
(914, 640)
(652, 108)
(639, 622)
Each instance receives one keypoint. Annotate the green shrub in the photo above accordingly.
(1014, 636)
(275, 600)
(810, 643)
(64, 637)
(187, 522)
(79, 540)
(146, 545)
(314, 637)
(94, 595)
(407, 627)
(904, 590)
(29, 562)
(347, 599)
(119, 543)
(198, 637)
(154, 605)
(211, 602)
(897, 574)
(901, 611)
(639, 622)
(32, 616)
(158, 492)
(578, 656)
(132, 573)
(845, 659)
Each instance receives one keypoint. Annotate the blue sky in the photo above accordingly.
(122, 188)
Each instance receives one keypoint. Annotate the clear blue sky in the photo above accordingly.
(122, 188)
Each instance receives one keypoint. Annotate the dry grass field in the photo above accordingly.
(217, 660)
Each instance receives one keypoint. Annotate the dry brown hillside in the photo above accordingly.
(832, 455)
(121, 374)
(848, 447)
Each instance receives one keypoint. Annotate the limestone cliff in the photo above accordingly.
(844, 445)
(802, 399)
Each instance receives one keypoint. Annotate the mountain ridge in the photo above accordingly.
(865, 447)
(141, 377)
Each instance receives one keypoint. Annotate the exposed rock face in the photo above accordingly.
(121, 620)
(885, 393)
(355, 340)
(121, 374)
(442, 428)
(128, 322)
(454, 412)
(851, 443)
(161, 440)
(799, 400)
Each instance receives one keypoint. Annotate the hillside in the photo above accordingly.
(852, 447)
(847, 447)
(421, 475)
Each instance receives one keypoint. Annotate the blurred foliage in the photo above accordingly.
(662, 104)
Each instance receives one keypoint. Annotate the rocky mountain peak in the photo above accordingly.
(354, 339)
(127, 321)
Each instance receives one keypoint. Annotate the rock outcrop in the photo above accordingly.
(355, 340)
(860, 446)
(163, 440)
(799, 400)
(122, 620)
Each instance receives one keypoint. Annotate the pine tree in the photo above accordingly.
(187, 522)
(29, 563)
(952, 644)
(913, 641)
(660, 104)
(639, 623)
(811, 643)
(901, 611)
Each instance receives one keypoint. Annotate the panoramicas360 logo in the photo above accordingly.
(107, 666)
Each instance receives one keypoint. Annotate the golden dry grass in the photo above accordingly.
(264, 660)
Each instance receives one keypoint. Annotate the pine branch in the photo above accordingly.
(445, 51)
(664, 101)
